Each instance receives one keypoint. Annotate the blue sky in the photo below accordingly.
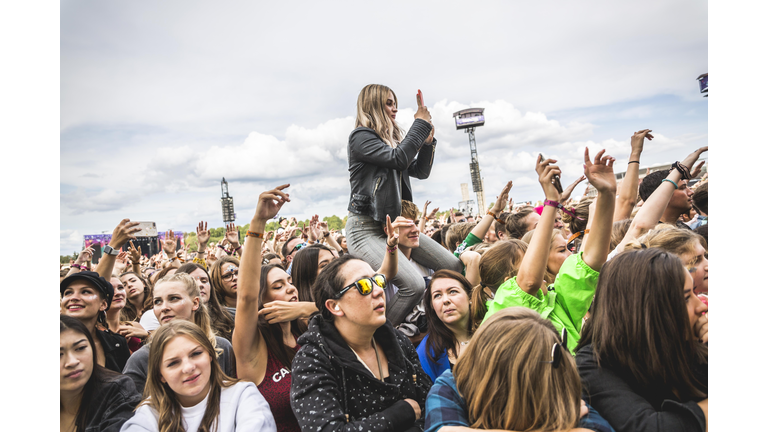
(159, 101)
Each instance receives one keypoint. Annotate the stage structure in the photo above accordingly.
(227, 203)
(466, 205)
(468, 119)
(704, 84)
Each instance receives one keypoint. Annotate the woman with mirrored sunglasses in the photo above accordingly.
(486, 390)
(265, 347)
(363, 372)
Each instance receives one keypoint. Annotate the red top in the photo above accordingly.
(276, 389)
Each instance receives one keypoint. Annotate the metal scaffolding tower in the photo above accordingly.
(468, 119)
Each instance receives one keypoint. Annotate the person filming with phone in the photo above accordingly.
(382, 158)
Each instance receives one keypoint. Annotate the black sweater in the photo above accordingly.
(628, 407)
(329, 383)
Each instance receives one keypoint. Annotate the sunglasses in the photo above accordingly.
(298, 247)
(557, 354)
(364, 286)
(571, 244)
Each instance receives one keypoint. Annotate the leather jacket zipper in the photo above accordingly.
(378, 180)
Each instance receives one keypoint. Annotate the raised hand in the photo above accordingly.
(637, 141)
(501, 200)
(123, 232)
(270, 202)
(547, 173)
(393, 230)
(569, 190)
(84, 256)
(169, 243)
(426, 204)
(121, 262)
(135, 253)
(433, 213)
(696, 171)
(600, 172)
(232, 235)
(693, 157)
(203, 235)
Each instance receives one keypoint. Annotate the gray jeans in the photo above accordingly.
(366, 239)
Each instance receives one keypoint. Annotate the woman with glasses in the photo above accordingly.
(224, 282)
(221, 320)
(265, 348)
(363, 372)
(643, 355)
(515, 374)
(382, 158)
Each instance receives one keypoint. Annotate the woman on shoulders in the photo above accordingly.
(382, 158)
(91, 397)
(643, 353)
(187, 390)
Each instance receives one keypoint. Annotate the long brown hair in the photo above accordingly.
(159, 396)
(221, 320)
(217, 285)
(549, 277)
(499, 263)
(508, 381)
(372, 114)
(273, 333)
(129, 312)
(441, 338)
(640, 325)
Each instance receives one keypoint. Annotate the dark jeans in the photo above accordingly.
(366, 239)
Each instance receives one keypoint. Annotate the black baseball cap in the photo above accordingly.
(99, 282)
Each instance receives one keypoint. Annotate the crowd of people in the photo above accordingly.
(577, 314)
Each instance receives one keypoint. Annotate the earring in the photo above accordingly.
(336, 307)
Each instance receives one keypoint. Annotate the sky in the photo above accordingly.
(159, 101)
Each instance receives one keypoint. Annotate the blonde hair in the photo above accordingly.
(670, 239)
(549, 277)
(372, 114)
(159, 396)
(507, 379)
(200, 316)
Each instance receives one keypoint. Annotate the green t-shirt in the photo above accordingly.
(567, 300)
(471, 240)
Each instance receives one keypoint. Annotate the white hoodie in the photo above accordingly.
(242, 408)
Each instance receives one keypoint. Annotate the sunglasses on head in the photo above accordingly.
(298, 247)
(571, 243)
(364, 286)
(557, 354)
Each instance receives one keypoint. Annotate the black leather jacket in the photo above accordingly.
(379, 174)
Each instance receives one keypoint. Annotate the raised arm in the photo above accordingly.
(246, 338)
(366, 146)
(169, 247)
(323, 226)
(135, 254)
(82, 258)
(649, 214)
(627, 198)
(389, 265)
(481, 228)
(423, 220)
(601, 176)
(531, 273)
(232, 236)
(122, 233)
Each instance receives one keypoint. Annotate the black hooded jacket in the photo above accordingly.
(332, 390)
(379, 174)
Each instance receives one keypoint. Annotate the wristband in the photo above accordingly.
(498, 221)
(326, 234)
(391, 250)
(675, 184)
(637, 162)
(238, 248)
(77, 266)
(682, 169)
(556, 204)
(254, 234)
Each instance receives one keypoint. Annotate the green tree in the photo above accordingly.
(334, 222)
